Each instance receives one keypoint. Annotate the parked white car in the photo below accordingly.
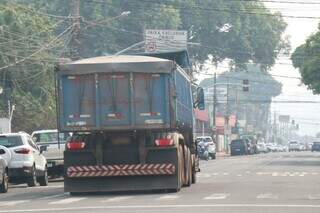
(294, 146)
(262, 147)
(26, 163)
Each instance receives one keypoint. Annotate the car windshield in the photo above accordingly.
(10, 141)
(49, 137)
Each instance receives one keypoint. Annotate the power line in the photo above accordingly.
(38, 51)
(211, 9)
(28, 9)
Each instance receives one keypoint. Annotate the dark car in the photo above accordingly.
(315, 147)
(3, 173)
(239, 147)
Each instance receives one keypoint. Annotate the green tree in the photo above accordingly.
(26, 64)
(244, 31)
(307, 59)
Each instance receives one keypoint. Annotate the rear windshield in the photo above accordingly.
(204, 139)
(237, 142)
(49, 137)
(10, 141)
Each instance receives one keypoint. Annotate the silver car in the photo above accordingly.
(55, 146)
(3, 173)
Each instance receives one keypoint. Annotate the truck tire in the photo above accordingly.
(32, 181)
(189, 168)
(180, 169)
(182, 166)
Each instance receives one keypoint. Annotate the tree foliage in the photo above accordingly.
(239, 30)
(307, 59)
(28, 84)
(243, 31)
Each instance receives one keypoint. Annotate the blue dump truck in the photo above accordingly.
(132, 122)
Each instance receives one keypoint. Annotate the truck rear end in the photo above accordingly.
(123, 113)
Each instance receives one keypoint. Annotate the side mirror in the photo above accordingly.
(2, 152)
(200, 99)
(43, 149)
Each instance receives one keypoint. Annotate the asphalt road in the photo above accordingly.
(274, 182)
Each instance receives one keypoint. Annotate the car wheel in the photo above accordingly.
(32, 181)
(4, 185)
(43, 180)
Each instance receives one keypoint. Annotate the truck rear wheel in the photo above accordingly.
(180, 174)
(189, 167)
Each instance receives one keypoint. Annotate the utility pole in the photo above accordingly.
(274, 126)
(214, 107)
(75, 48)
(227, 116)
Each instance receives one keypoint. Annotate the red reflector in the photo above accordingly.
(164, 142)
(22, 151)
(75, 145)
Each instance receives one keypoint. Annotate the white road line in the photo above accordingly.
(68, 200)
(215, 174)
(225, 173)
(117, 199)
(216, 197)
(239, 175)
(314, 197)
(13, 203)
(268, 196)
(43, 187)
(87, 208)
(52, 196)
(169, 197)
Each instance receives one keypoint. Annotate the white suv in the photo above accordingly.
(26, 163)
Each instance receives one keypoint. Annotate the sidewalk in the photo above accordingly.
(222, 154)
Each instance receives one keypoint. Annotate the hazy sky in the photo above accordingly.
(306, 114)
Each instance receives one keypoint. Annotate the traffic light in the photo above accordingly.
(245, 85)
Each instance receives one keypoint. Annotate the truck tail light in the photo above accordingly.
(24, 151)
(76, 145)
(164, 142)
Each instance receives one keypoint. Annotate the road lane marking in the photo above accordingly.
(43, 187)
(117, 199)
(169, 197)
(216, 197)
(52, 196)
(87, 208)
(225, 173)
(68, 200)
(239, 175)
(314, 197)
(267, 196)
(13, 203)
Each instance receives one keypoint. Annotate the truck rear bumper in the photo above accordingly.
(121, 183)
(121, 170)
(110, 178)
